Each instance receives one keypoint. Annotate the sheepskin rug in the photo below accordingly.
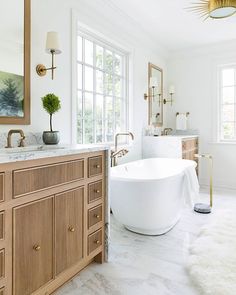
(211, 261)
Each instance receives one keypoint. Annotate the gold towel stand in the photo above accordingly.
(210, 159)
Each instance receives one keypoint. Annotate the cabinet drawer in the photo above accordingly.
(94, 241)
(2, 264)
(190, 155)
(35, 179)
(2, 225)
(94, 166)
(32, 246)
(189, 144)
(95, 191)
(2, 187)
(2, 291)
(94, 216)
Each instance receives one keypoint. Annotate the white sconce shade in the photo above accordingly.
(172, 89)
(153, 82)
(52, 43)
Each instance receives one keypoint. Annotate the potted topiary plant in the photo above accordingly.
(51, 104)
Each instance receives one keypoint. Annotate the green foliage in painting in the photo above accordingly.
(11, 95)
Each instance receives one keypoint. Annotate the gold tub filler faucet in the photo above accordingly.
(200, 207)
(115, 154)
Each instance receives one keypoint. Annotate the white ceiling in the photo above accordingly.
(172, 26)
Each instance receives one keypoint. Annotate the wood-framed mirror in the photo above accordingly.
(15, 62)
(155, 101)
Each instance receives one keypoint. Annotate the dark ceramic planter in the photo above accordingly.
(51, 137)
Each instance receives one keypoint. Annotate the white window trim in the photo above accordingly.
(219, 140)
(104, 39)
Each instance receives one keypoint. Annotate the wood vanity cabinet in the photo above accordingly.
(32, 246)
(52, 221)
(69, 224)
(189, 149)
(1, 188)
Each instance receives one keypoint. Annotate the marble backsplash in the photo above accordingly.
(30, 139)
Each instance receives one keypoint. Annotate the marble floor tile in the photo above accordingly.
(144, 265)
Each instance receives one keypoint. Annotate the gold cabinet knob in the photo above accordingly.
(97, 242)
(97, 216)
(36, 247)
(71, 229)
(97, 191)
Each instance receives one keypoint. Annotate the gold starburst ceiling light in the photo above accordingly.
(214, 8)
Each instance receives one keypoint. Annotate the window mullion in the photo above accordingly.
(125, 91)
(94, 94)
(234, 103)
(113, 95)
(104, 97)
(83, 92)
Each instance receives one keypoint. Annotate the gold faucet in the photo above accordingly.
(119, 153)
(21, 144)
(167, 130)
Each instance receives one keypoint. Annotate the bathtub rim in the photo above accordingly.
(139, 179)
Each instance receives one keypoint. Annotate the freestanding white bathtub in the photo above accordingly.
(147, 196)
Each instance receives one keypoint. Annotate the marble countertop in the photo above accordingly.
(182, 136)
(43, 151)
(174, 136)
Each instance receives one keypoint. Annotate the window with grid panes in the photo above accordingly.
(102, 87)
(227, 103)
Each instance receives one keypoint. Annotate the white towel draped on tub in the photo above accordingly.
(191, 186)
(181, 122)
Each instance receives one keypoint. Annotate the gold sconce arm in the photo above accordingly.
(145, 96)
(42, 70)
(165, 101)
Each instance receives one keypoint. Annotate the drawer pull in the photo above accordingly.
(97, 216)
(97, 191)
(36, 247)
(97, 242)
(97, 166)
(71, 229)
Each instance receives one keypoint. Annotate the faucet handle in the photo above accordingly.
(125, 151)
(22, 143)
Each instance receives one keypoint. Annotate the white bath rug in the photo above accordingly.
(212, 256)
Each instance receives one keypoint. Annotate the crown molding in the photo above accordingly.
(213, 49)
(130, 29)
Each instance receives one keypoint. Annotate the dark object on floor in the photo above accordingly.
(202, 208)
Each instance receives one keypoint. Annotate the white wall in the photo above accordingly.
(100, 16)
(193, 72)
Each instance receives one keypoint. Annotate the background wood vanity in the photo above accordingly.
(189, 149)
(51, 221)
(182, 147)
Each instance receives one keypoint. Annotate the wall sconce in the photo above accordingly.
(171, 92)
(52, 47)
(154, 86)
